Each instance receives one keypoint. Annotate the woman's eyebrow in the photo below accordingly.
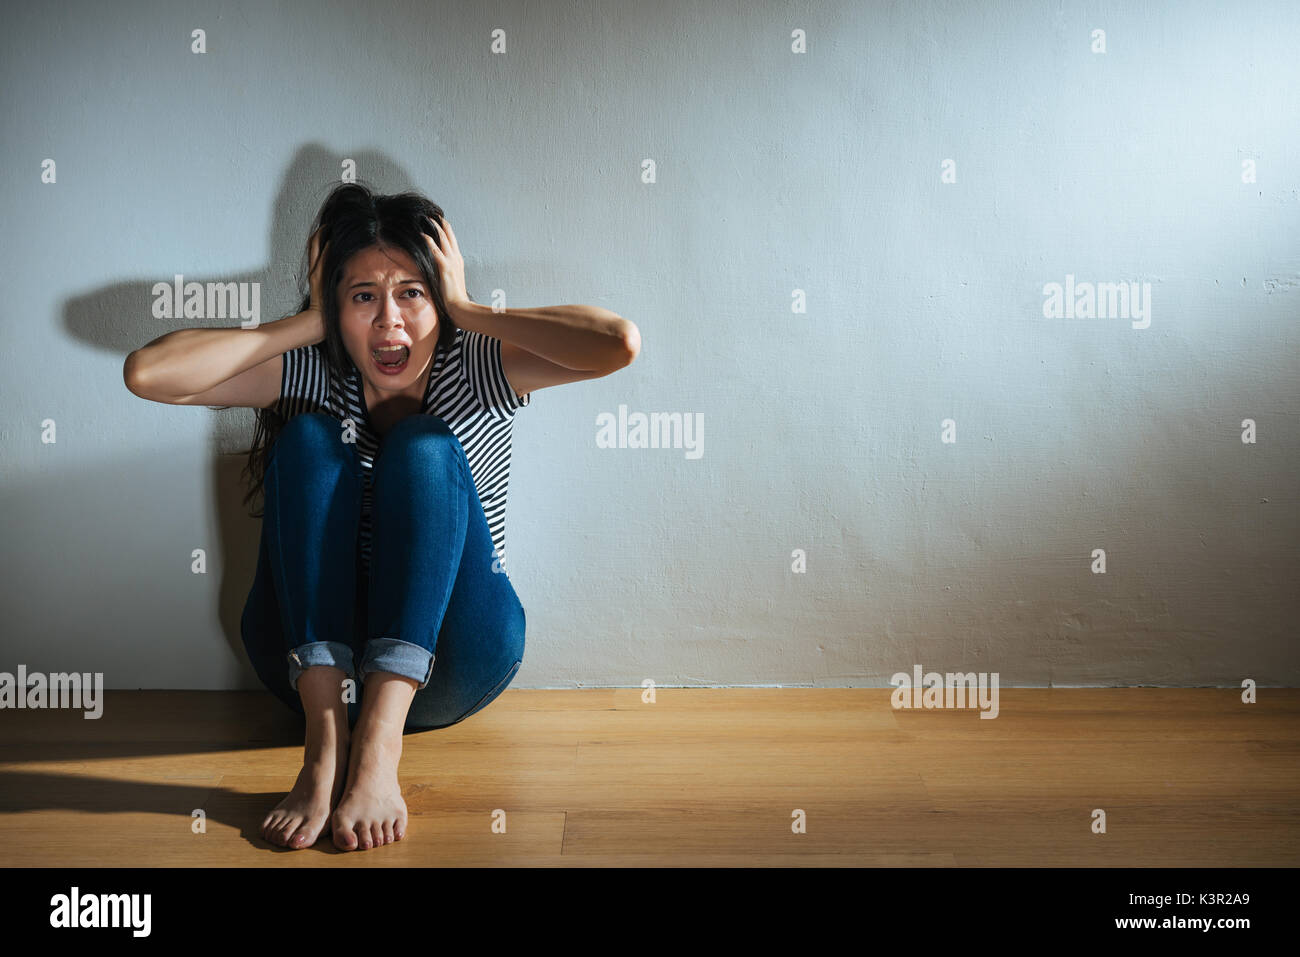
(400, 282)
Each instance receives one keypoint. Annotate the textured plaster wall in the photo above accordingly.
(916, 178)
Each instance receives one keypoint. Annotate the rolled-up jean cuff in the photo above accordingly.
(398, 657)
(333, 653)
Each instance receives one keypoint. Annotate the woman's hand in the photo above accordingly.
(316, 257)
(451, 266)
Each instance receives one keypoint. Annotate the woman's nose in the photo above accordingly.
(390, 311)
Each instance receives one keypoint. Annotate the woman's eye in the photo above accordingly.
(358, 296)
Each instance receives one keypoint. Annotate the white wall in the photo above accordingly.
(776, 171)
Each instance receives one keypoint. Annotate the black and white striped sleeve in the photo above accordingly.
(481, 364)
(303, 385)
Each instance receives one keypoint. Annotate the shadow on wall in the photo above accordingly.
(70, 560)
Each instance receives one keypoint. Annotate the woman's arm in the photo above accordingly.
(581, 338)
(219, 366)
(540, 347)
(227, 366)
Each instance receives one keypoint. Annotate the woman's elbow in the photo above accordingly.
(131, 376)
(631, 343)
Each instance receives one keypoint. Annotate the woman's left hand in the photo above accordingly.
(451, 267)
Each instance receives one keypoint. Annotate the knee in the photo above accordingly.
(419, 426)
(309, 426)
(314, 431)
(420, 434)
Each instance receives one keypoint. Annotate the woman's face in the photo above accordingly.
(383, 300)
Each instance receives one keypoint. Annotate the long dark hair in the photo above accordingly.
(352, 218)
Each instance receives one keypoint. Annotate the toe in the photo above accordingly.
(388, 832)
(305, 835)
(344, 837)
(285, 829)
(377, 833)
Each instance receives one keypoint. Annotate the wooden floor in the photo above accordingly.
(700, 777)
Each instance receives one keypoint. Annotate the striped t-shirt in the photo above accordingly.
(467, 389)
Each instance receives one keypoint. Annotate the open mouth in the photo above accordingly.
(391, 361)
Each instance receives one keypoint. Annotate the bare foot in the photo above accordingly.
(297, 821)
(371, 812)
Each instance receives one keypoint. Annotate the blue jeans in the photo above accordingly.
(431, 609)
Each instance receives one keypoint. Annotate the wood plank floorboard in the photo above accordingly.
(701, 777)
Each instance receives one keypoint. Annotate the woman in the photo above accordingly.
(380, 604)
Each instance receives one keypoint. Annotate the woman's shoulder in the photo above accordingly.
(483, 373)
